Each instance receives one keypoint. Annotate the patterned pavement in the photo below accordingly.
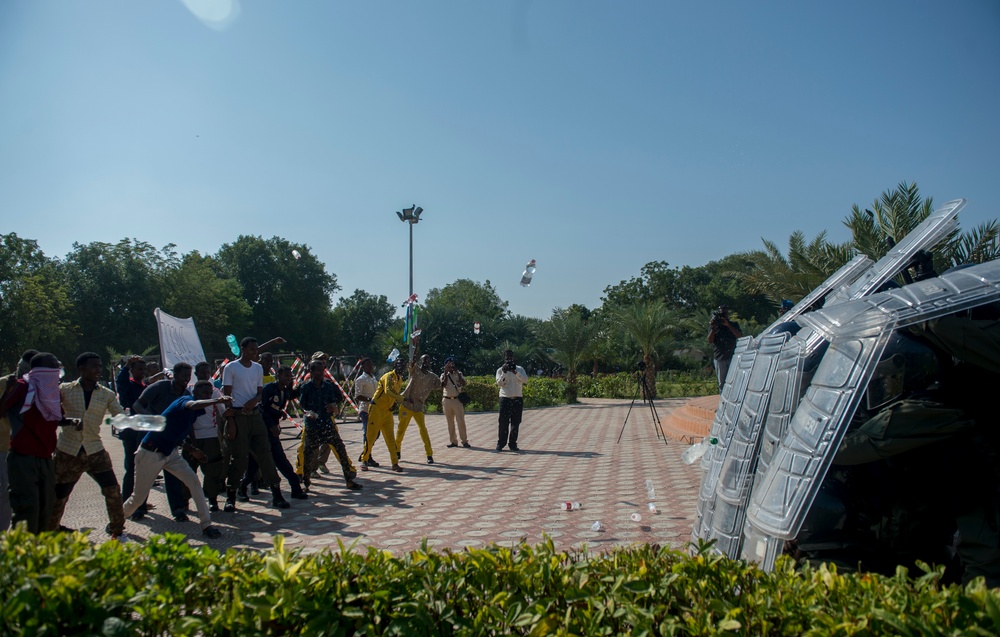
(469, 497)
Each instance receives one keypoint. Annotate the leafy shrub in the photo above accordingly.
(59, 584)
(668, 385)
(545, 392)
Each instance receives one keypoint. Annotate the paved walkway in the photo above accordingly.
(469, 497)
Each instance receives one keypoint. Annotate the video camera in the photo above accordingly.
(719, 317)
(509, 366)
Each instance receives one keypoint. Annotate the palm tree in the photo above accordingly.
(807, 265)
(896, 212)
(569, 337)
(649, 325)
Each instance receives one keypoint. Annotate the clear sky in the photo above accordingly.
(592, 136)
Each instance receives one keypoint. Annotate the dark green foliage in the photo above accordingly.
(363, 318)
(626, 385)
(289, 297)
(60, 584)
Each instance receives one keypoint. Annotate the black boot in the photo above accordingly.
(277, 501)
(230, 505)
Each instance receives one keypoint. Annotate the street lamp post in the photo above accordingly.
(411, 215)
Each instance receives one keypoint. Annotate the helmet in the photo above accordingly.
(907, 366)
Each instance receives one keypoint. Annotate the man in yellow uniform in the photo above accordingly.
(387, 394)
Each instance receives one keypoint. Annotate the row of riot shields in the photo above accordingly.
(793, 391)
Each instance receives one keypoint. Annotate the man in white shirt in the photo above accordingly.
(244, 428)
(207, 439)
(364, 389)
(511, 377)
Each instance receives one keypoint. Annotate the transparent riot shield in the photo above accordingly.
(857, 278)
(858, 332)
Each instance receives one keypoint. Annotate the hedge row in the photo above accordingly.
(546, 392)
(61, 584)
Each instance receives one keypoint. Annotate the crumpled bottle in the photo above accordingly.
(694, 453)
(138, 422)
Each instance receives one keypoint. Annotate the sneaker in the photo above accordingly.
(323, 469)
(354, 486)
(315, 475)
(280, 503)
(397, 468)
(181, 517)
(241, 493)
(430, 459)
(467, 445)
(452, 445)
(372, 463)
(299, 495)
(364, 466)
(138, 515)
(499, 447)
(211, 532)
(230, 506)
(513, 447)
(213, 506)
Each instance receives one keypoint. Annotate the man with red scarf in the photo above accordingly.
(33, 407)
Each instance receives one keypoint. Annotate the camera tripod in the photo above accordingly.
(647, 396)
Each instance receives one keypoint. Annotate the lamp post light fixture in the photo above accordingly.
(410, 215)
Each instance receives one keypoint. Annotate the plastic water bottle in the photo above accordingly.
(694, 453)
(649, 490)
(597, 526)
(569, 506)
(138, 422)
(234, 347)
(393, 355)
(529, 271)
(652, 508)
(635, 517)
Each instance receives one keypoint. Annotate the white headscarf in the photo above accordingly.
(43, 392)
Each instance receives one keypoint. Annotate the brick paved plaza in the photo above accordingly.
(469, 497)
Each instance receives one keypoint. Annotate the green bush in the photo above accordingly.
(668, 385)
(58, 584)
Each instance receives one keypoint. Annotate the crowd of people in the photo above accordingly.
(224, 425)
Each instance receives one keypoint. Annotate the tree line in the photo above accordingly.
(101, 297)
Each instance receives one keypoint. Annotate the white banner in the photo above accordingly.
(179, 342)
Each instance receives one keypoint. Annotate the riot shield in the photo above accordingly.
(858, 332)
(857, 278)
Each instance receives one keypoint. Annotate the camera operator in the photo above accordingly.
(722, 336)
(510, 378)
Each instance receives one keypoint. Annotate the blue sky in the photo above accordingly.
(592, 136)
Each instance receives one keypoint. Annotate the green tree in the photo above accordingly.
(216, 304)
(363, 317)
(688, 289)
(896, 212)
(35, 309)
(807, 265)
(289, 296)
(447, 319)
(649, 325)
(568, 337)
(114, 289)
